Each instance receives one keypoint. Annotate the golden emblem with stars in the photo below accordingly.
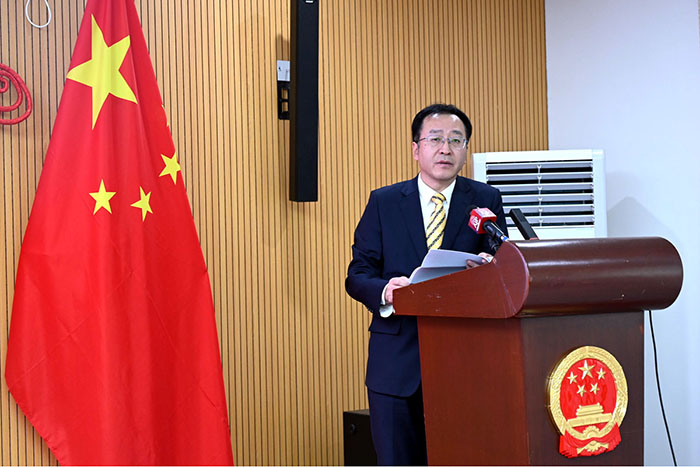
(587, 400)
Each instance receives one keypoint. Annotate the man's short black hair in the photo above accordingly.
(440, 109)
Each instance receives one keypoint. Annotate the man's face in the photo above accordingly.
(439, 165)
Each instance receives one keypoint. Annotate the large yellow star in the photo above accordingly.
(144, 204)
(172, 167)
(102, 198)
(585, 370)
(101, 72)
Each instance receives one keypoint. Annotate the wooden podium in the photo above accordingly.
(491, 336)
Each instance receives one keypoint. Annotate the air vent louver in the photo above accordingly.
(558, 191)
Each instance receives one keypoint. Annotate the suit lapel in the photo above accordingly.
(462, 198)
(413, 217)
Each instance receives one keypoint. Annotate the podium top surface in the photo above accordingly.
(541, 277)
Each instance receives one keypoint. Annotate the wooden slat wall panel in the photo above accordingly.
(293, 344)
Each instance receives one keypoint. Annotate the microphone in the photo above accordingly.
(482, 220)
(522, 224)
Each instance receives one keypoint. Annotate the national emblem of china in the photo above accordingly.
(587, 395)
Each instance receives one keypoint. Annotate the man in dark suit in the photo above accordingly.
(400, 223)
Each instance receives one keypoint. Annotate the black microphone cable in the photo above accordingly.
(658, 387)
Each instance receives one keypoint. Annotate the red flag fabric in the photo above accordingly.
(113, 352)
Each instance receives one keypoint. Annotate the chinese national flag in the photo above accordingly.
(113, 352)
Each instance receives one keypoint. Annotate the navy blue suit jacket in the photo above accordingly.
(389, 242)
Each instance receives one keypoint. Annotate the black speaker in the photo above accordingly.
(359, 449)
(303, 102)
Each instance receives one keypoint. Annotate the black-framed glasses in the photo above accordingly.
(436, 141)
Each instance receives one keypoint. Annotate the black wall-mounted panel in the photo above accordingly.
(303, 101)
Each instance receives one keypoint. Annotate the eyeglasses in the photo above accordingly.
(453, 142)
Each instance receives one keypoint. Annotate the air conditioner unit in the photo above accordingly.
(562, 193)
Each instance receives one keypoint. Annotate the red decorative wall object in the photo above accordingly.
(9, 76)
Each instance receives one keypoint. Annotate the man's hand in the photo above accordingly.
(394, 283)
(486, 259)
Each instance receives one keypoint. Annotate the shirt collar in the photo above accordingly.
(426, 193)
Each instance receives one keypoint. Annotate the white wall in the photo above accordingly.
(624, 76)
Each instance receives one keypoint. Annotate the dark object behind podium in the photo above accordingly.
(359, 449)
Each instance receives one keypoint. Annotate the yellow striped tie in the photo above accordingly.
(436, 224)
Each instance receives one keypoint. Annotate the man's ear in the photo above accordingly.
(414, 145)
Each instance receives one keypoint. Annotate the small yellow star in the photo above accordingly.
(585, 369)
(102, 197)
(144, 204)
(102, 73)
(571, 378)
(601, 374)
(581, 390)
(594, 388)
(172, 167)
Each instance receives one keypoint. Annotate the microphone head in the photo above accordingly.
(522, 224)
(478, 217)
